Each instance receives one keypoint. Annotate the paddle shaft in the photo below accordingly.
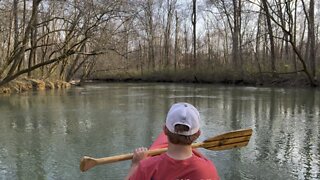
(229, 140)
(217, 143)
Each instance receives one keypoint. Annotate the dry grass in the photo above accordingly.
(26, 84)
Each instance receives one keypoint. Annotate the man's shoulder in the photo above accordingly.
(151, 161)
(203, 167)
(203, 163)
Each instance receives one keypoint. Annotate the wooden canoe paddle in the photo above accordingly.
(229, 140)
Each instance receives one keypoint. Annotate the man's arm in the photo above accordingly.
(138, 155)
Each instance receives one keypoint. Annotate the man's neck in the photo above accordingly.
(179, 152)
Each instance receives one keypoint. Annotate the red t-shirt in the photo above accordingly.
(163, 167)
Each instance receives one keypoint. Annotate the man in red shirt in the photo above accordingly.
(180, 162)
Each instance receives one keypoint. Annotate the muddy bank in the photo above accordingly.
(26, 84)
(264, 81)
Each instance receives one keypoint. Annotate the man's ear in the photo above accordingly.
(165, 130)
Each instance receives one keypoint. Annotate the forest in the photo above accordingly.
(229, 41)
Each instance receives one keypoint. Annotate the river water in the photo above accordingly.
(43, 135)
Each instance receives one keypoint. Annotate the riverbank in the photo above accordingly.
(298, 80)
(27, 84)
(264, 80)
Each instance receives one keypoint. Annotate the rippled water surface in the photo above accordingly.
(43, 135)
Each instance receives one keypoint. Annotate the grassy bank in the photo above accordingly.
(27, 84)
(291, 80)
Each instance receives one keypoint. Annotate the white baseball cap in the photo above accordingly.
(185, 114)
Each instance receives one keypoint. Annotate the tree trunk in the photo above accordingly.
(186, 46)
(194, 25)
(257, 53)
(15, 24)
(150, 31)
(170, 8)
(271, 38)
(294, 59)
(176, 46)
(236, 41)
(312, 38)
(20, 50)
(33, 41)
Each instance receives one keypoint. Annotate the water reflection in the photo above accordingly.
(43, 134)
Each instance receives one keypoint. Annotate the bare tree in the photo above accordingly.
(194, 26)
(236, 39)
(148, 10)
(271, 38)
(297, 51)
(311, 37)
(62, 36)
(176, 42)
(167, 33)
(58, 39)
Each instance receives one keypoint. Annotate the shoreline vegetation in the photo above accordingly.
(27, 84)
(225, 43)
(258, 80)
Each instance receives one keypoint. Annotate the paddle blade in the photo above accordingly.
(87, 163)
(232, 134)
(228, 140)
(228, 146)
